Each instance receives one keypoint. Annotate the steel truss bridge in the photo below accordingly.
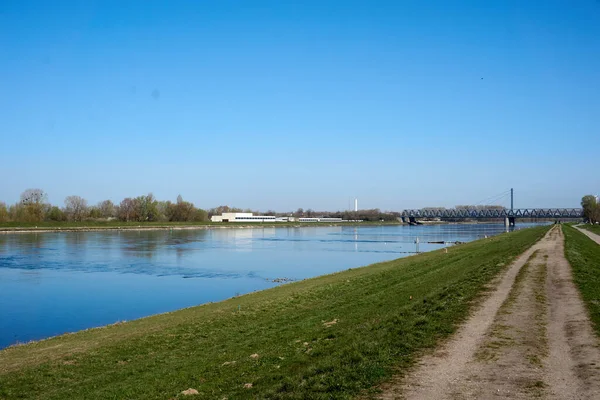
(547, 213)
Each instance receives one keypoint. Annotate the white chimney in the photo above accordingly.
(355, 204)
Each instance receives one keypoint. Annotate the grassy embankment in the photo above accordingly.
(592, 228)
(584, 256)
(329, 337)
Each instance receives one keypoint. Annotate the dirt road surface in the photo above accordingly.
(591, 235)
(530, 338)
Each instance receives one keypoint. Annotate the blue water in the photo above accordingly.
(52, 283)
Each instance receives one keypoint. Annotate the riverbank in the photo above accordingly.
(151, 226)
(333, 336)
(47, 227)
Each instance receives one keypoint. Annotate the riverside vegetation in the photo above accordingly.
(334, 336)
(33, 209)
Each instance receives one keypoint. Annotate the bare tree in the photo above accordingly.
(75, 208)
(31, 208)
(127, 209)
(33, 196)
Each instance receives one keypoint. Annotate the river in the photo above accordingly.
(52, 283)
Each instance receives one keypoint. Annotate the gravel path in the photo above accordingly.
(531, 338)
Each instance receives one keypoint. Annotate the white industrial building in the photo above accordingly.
(248, 217)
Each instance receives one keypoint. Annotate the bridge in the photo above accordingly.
(495, 213)
(508, 214)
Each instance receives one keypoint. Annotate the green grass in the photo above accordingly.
(584, 256)
(378, 331)
(592, 228)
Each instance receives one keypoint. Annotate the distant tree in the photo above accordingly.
(13, 212)
(200, 215)
(182, 211)
(223, 209)
(218, 210)
(107, 209)
(76, 208)
(299, 213)
(3, 212)
(478, 207)
(146, 208)
(94, 212)
(55, 214)
(33, 196)
(32, 205)
(127, 210)
(591, 208)
(434, 209)
(162, 208)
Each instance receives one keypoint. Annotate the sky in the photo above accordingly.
(282, 104)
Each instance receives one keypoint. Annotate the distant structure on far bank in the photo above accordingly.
(247, 217)
(250, 217)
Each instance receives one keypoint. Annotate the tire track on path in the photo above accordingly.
(530, 338)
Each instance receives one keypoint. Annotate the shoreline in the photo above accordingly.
(44, 229)
(6, 230)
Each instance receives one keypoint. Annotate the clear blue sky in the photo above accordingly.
(280, 105)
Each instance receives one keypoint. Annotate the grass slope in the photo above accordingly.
(592, 228)
(329, 337)
(584, 256)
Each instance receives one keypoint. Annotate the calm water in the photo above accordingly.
(51, 283)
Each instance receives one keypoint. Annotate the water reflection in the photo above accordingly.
(212, 253)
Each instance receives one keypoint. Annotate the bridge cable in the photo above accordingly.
(491, 198)
(495, 198)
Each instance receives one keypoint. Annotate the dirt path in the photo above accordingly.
(591, 235)
(531, 338)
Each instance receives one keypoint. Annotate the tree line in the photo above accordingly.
(33, 206)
